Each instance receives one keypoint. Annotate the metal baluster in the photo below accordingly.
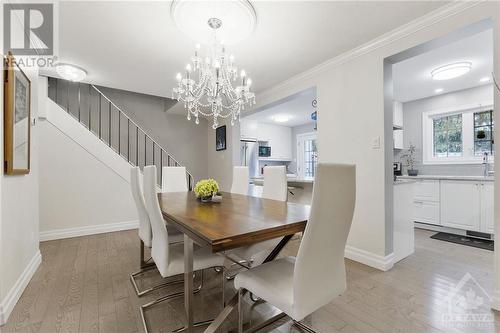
(145, 150)
(90, 110)
(109, 124)
(128, 140)
(79, 101)
(67, 98)
(119, 132)
(100, 114)
(153, 152)
(137, 146)
(161, 165)
(168, 160)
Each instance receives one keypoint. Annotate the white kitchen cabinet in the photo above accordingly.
(426, 202)
(398, 139)
(487, 205)
(404, 233)
(427, 190)
(460, 204)
(397, 114)
(279, 138)
(426, 212)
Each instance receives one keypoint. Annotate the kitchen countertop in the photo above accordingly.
(404, 181)
(443, 177)
(260, 180)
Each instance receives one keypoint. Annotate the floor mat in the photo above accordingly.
(465, 240)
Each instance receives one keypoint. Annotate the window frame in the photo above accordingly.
(468, 153)
(300, 160)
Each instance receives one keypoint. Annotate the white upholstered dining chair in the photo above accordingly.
(275, 183)
(168, 257)
(145, 234)
(275, 188)
(174, 179)
(241, 180)
(296, 286)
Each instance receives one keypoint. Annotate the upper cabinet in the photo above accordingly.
(397, 125)
(397, 115)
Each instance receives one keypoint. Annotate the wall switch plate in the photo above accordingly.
(376, 142)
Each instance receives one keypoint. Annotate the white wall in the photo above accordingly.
(19, 211)
(84, 184)
(350, 91)
(220, 163)
(78, 193)
(412, 125)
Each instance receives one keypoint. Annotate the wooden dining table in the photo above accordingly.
(236, 221)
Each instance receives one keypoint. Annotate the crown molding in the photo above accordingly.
(390, 37)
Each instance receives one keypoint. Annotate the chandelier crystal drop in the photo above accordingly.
(207, 85)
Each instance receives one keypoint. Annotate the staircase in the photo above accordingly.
(96, 112)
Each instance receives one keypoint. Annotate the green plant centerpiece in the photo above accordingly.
(410, 160)
(205, 189)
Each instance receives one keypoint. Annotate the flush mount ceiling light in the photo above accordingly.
(71, 72)
(451, 71)
(281, 118)
(485, 79)
(438, 90)
(191, 17)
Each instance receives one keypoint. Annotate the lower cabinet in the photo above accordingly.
(487, 206)
(460, 204)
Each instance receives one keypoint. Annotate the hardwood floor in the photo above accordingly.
(83, 286)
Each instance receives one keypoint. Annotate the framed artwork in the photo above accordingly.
(17, 118)
(220, 138)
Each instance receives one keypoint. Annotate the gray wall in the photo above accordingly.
(307, 128)
(181, 138)
(412, 125)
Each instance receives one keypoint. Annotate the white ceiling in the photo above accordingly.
(134, 45)
(412, 77)
(297, 107)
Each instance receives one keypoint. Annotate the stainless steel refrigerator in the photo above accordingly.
(249, 156)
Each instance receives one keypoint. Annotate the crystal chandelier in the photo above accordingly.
(207, 86)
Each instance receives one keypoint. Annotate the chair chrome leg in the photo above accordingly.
(304, 327)
(166, 298)
(240, 310)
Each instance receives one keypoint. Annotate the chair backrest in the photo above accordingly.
(240, 180)
(319, 274)
(275, 183)
(160, 247)
(174, 179)
(137, 194)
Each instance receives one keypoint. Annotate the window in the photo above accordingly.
(448, 136)
(483, 133)
(307, 155)
(458, 135)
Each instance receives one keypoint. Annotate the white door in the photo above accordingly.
(307, 155)
(460, 204)
(487, 203)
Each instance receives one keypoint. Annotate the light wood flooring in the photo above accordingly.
(83, 285)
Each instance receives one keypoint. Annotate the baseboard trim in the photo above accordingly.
(87, 230)
(10, 300)
(370, 259)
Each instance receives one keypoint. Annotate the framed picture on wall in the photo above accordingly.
(17, 115)
(220, 138)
